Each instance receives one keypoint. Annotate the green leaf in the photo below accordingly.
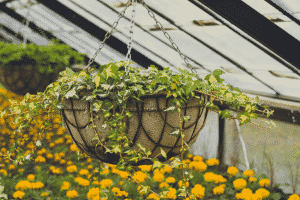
(71, 94)
(97, 80)
(175, 132)
(163, 153)
(186, 118)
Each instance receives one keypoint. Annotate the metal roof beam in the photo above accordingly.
(97, 32)
(258, 27)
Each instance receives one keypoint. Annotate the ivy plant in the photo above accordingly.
(109, 88)
(46, 59)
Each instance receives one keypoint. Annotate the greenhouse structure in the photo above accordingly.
(256, 43)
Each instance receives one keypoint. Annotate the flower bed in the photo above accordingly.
(55, 171)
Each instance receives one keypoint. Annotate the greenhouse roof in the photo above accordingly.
(255, 44)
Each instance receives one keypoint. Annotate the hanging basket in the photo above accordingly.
(150, 126)
(25, 79)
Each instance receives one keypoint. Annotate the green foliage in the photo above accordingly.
(109, 89)
(46, 59)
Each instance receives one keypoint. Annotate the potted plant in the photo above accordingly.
(31, 68)
(132, 118)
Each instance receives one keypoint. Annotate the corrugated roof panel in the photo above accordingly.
(72, 35)
(237, 48)
(291, 6)
(262, 6)
(18, 27)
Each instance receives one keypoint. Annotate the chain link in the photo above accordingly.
(128, 56)
(168, 36)
(107, 35)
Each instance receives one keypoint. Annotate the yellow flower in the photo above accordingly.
(187, 184)
(262, 192)
(84, 172)
(89, 160)
(69, 163)
(170, 180)
(37, 185)
(232, 171)
(30, 177)
(198, 158)
(140, 177)
(172, 193)
(123, 174)
(212, 162)
(11, 167)
(73, 147)
(18, 194)
(264, 182)
(4, 171)
(105, 172)
(93, 192)
(153, 196)
(163, 184)
(145, 167)
(106, 183)
(248, 173)
(81, 181)
(44, 194)
(198, 191)
(167, 168)
(72, 168)
(190, 156)
(65, 185)
(197, 166)
(72, 194)
(218, 190)
(294, 197)
(22, 185)
(239, 183)
(252, 179)
(158, 177)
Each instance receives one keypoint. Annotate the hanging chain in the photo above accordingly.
(107, 35)
(167, 36)
(128, 56)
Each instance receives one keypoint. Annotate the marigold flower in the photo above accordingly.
(153, 196)
(89, 160)
(172, 193)
(264, 182)
(140, 177)
(232, 171)
(93, 192)
(82, 182)
(212, 162)
(22, 185)
(163, 184)
(252, 179)
(145, 167)
(158, 177)
(239, 183)
(30, 177)
(197, 158)
(3, 171)
(72, 194)
(18, 194)
(106, 183)
(198, 191)
(167, 168)
(84, 172)
(294, 197)
(123, 174)
(248, 173)
(262, 192)
(187, 184)
(73, 147)
(11, 167)
(170, 180)
(218, 190)
(197, 166)
(65, 186)
(44, 194)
